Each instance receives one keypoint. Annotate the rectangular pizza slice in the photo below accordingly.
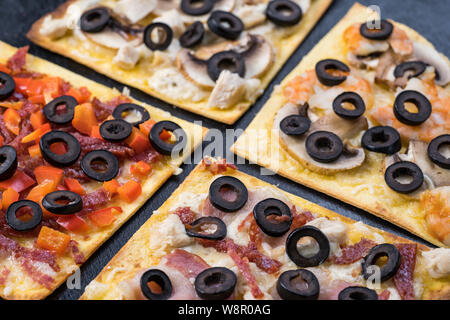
(165, 47)
(365, 118)
(226, 235)
(73, 168)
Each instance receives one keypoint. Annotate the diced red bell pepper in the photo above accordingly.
(84, 118)
(104, 217)
(74, 186)
(37, 119)
(8, 197)
(43, 173)
(138, 141)
(111, 186)
(130, 191)
(73, 223)
(53, 240)
(140, 168)
(146, 126)
(19, 182)
(12, 120)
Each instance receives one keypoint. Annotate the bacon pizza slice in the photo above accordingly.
(213, 58)
(365, 118)
(77, 160)
(226, 235)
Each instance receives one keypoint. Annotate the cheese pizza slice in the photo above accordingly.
(226, 235)
(210, 57)
(77, 160)
(365, 118)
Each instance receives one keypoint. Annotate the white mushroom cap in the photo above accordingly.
(430, 56)
(295, 146)
(194, 69)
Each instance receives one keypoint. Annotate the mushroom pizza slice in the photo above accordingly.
(364, 118)
(211, 57)
(76, 161)
(226, 235)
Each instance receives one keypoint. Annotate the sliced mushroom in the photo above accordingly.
(255, 49)
(110, 39)
(430, 56)
(194, 69)
(252, 15)
(258, 57)
(417, 152)
(384, 72)
(352, 157)
(223, 5)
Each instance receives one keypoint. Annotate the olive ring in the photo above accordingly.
(218, 201)
(287, 291)
(107, 158)
(269, 207)
(412, 118)
(18, 224)
(350, 97)
(225, 60)
(127, 107)
(115, 130)
(225, 24)
(357, 293)
(51, 110)
(193, 35)
(318, 236)
(284, 12)
(215, 283)
(189, 7)
(434, 153)
(382, 139)
(327, 78)
(8, 162)
(389, 269)
(381, 33)
(9, 85)
(164, 147)
(167, 38)
(295, 125)
(400, 168)
(160, 278)
(94, 20)
(416, 67)
(74, 202)
(324, 146)
(60, 160)
(219, 233)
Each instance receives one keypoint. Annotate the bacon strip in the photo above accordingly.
(384, 295)
(17, 61)
(244, 267)
(190, 265)
(4, 276)
(187, 216)
(354, 252)
(403, 279)
(217, 166)
(77, 255)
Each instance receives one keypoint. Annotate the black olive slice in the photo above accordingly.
(8, 162)
(382, 139)
(131, 107)
(415, 68)
(382, 33)
(162, 146)
(161, 279)
(421, 102)
(24, 225)
(52, 113)
(62, 202)
(100, 165)
(324, 146)
(306, 289)
(325, 77)
(283, 12)
(225, 24)
(434, 152)
(164, 39)
(316, 234)
(60, 160)
(193, 35)
(196, 7)
(115, 130)
(357, 293)
(225, 60)
(7, 86)
(349, 97)
(94, 20)
(389, 269)
(195, 228)
(228, 185)
(403, 168)
(295, 125)
(267, 214)
(215, 283)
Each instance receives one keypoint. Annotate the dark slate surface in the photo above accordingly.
(427, 17)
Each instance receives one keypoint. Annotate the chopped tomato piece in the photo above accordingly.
(16, 105)
(84, 118)
(19, 182)
(53, 240)
(52, 87)
(165, 135)
(111, 186)
(146, 126)
(35, 151)
(43, 173)
(103, 217)
(74, 186)
(37, 99)
(138, 141)
(4, 68)
(37, 119)
(9, 196)
(130, 191)
(12, 120)
(140, 168)
(37, 134)
(73, 223)
(58, 148)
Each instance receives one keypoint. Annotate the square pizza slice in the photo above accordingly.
(365, 118)
(226, 235)
(213, 58)
(77, 160)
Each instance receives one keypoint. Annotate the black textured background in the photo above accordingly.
(429, 18)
